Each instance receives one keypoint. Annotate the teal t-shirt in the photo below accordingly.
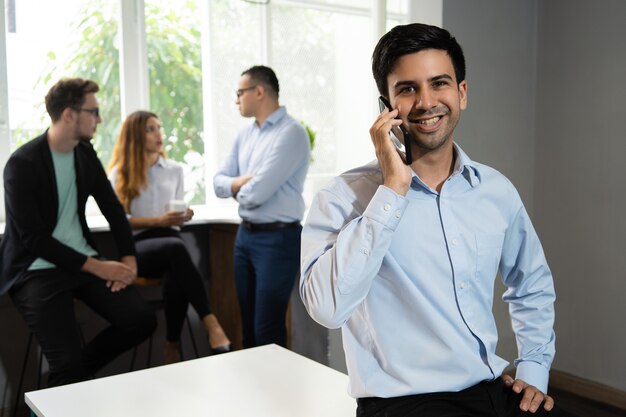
(67, 230)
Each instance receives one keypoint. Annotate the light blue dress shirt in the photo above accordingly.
(165, 183)
(277, 155)
(410, 280)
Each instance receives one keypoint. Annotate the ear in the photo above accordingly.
(68, 115)
(463, 94)
(260, 91)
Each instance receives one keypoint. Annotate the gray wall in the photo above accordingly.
(546, 108)
(579, 180)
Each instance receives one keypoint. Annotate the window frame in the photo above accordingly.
(134, 75)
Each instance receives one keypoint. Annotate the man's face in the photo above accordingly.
(246, 93)
(423, 87)
(86, 119)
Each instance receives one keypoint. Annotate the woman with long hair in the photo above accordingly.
(146, 182)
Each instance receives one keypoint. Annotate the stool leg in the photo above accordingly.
(39, 368)
(132, 359)
(149, 352)
(20, 385)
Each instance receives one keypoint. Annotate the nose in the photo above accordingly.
(426, 99)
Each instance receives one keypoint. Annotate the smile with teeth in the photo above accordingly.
(428, 122)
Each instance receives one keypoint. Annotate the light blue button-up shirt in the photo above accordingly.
(410, 280)
(277, 155)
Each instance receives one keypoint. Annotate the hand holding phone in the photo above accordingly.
(400, 135)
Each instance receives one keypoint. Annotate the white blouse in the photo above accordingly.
(165, 183)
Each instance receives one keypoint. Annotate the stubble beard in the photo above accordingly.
(81, 136)
(437, 142)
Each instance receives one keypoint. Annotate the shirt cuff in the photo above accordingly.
(533, 374)
(386, 207)
(224, 188)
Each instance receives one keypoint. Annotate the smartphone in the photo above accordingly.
(400, 135)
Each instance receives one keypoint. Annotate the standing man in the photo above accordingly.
(403, 257)
(47, 255)
(265, 173)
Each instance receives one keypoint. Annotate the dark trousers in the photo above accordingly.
(487, 399)
(45, 299)
(162, 251)
(266, 266)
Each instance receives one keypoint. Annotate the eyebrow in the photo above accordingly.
(408, 83)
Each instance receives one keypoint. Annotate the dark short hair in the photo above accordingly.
(68, 92)
(408, 39)
(263, 75)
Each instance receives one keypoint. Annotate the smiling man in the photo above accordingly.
(403, 257)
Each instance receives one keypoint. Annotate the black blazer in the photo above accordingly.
(31, 202)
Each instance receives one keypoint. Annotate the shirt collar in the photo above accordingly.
(276, 116)
(465, 166)
(160, 162)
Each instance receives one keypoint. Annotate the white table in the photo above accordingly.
(264, 381)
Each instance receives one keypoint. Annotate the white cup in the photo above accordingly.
(178, 206)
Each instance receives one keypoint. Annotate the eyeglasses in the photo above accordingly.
(95, 111)
(240, 92)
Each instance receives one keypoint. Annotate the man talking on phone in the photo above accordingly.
(403, 257)
(265, 173)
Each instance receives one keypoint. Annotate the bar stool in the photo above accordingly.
(20, 385)
(157, 304)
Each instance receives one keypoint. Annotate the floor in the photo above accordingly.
(582, 407)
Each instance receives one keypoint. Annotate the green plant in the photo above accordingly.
(312, 134)
(175, 74)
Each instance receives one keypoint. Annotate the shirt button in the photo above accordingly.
(455, 242)
(387, 207)
(365, 251)
(462, 285)
(398, 214)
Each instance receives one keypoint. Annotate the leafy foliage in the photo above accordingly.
(175, 74)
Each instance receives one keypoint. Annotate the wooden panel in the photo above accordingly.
(588, 389)
(222, 292)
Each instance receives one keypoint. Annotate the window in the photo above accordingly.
(173, 46)
(195, 52)
(39, 54)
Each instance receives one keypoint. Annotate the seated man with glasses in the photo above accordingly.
(265, 173)
(47, 255)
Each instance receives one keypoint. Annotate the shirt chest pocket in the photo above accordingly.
(488, 252)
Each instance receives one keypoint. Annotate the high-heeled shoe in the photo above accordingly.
(214, 329)
(220, 349)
